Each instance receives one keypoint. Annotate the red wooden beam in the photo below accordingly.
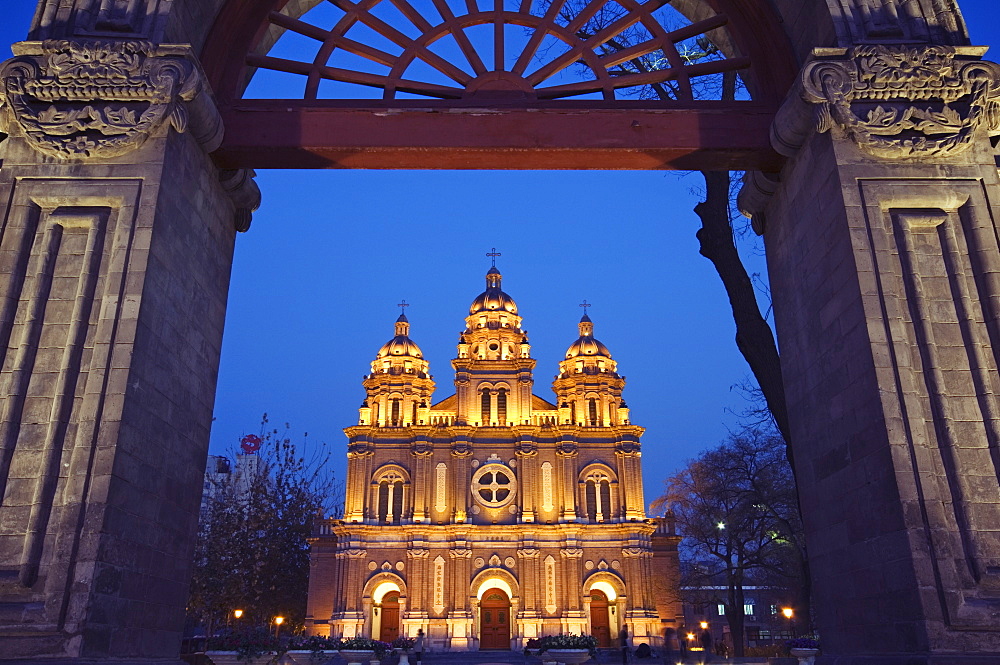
(297, 134)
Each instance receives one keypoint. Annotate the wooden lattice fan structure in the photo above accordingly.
(602, 38)
(511, 55)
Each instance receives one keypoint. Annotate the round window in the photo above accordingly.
(494, 485)
(494, 346)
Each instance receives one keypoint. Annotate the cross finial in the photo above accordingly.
(493, 254)
(402, 306)
(585, 305)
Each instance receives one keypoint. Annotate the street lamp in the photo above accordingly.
(277, 625)
(789, 613)
(237, 613)
(704, 625)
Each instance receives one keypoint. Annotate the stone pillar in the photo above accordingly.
(116, 245)
(883, 257)
(567, 453)
(422, 452)
(630, 479)
(461, 453)
(527, 454)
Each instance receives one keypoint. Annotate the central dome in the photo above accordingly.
(493, 299)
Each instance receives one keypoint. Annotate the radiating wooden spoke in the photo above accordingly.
(626, 47)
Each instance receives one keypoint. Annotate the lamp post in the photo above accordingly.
(277, 625)
(789, 614)
(237, 614)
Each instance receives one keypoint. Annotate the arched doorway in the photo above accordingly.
(390, 617)
(600, 622)
(494, 620)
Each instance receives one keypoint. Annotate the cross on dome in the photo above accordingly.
(493, 254)
(402, 305)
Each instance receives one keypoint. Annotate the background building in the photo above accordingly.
(495, 515)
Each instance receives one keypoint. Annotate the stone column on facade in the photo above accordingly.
(527, 455)
(461, 453)
(567, 453)
(630, 478)
(571, 559)
(882, 250)
(359, 456)
(530, 589)
(113, 291)
(419, 605)
(460, 618)
(422, 452)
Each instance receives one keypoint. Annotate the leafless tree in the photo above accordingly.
(736, 508)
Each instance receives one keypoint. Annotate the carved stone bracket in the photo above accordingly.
(244, 193)
(103, 99)
(893, 102)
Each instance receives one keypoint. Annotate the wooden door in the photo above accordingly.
(390, 617)
(599, 621)
(494, 620)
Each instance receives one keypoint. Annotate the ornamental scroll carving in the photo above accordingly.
(905, 101)
(101, 98)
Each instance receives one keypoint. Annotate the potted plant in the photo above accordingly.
(567, 648)
(402, 646)
(804, 648)
(359, 650)
(248, 646)
(311, 649)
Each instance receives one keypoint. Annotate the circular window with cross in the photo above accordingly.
(494, 485)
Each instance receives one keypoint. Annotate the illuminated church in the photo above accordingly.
(494, 515)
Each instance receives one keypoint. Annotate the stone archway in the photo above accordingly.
(494, 620)
(882, 250)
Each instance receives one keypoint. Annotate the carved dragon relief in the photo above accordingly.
(97, 98)
(904, 101)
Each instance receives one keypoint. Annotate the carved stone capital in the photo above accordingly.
(893, 102)
(103, 99)
(465, 553)
(571, 552)
(528, 553)
(244, 193)
(636, 552)
(421, 553)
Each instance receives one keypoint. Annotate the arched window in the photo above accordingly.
(597, 496)
(502, 406)
(413, 418)
(375, 413)
(395, 411)
(484, 409)
(389, 498)
(592, 411)
(572, 412)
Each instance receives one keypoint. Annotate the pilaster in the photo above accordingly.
(881, 237)
(118, 234)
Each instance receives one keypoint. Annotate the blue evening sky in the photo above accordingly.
(317, 278)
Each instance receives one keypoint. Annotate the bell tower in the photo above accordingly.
(588, 387)
(493, 370)
(400, 385)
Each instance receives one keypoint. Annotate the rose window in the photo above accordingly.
(494, 485)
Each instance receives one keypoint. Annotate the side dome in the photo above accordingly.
(401, 344)
(586, 344)
(493, 299)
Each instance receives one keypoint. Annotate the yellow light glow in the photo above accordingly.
(704, 625)
(494, 583)
(606, 587)
(279, 620)
(385, 587)
(237, 613)
(788, 612)
(690, 636)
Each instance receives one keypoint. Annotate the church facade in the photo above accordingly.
(494, 515)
